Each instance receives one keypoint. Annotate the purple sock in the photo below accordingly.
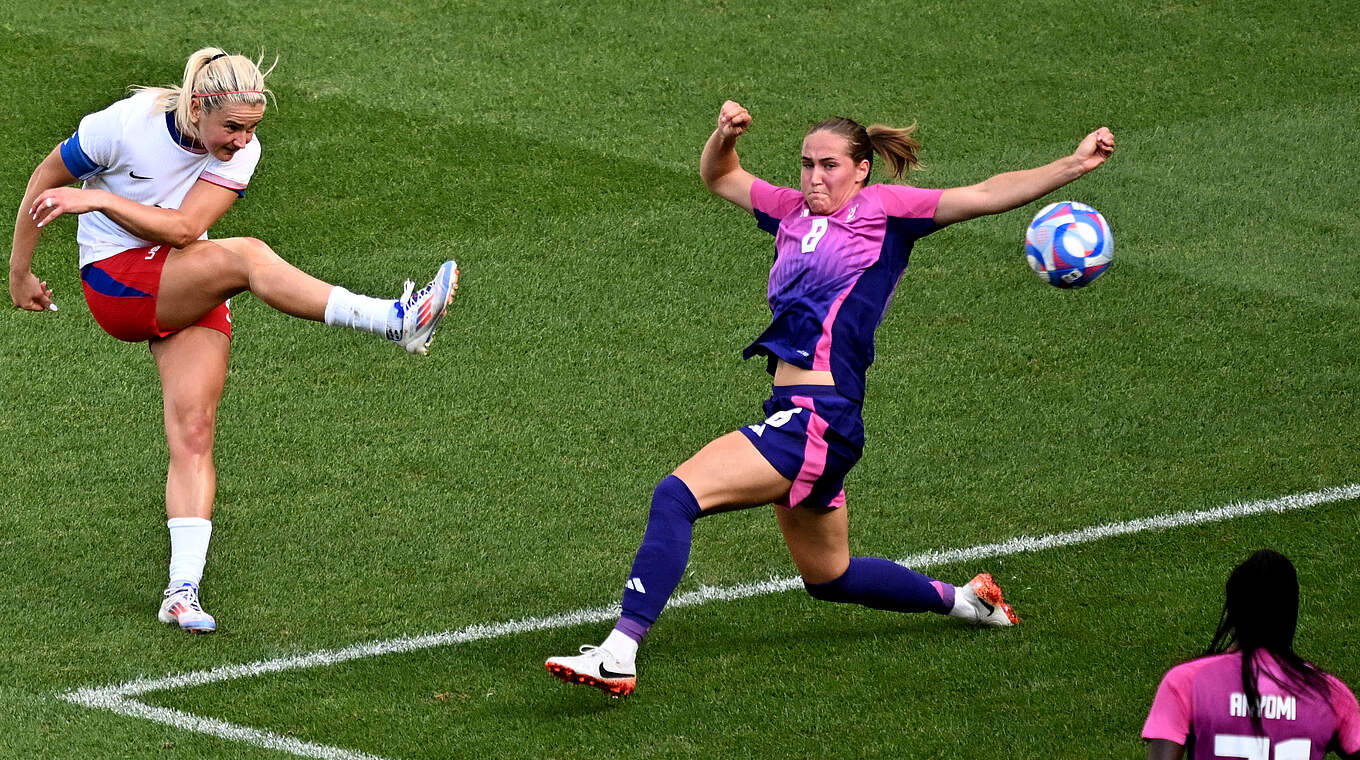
(661, 558)
(884, 585)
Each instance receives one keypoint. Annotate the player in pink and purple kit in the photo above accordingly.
(841, 245)
(1251, 696)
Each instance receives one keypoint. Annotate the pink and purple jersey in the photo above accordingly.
(833, 276)
(1201, 706)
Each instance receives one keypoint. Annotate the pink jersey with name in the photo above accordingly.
(833, 276)
(1200, 705)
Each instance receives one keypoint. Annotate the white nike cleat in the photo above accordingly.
(984, 595)
(181, 606)
(421, 311)
(595, 667)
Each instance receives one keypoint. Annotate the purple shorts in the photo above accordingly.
(812, 435)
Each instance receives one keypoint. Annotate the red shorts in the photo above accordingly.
(121, 292)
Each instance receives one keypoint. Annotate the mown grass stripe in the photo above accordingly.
(119, 699)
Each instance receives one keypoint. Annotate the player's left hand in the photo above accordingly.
(1095, 148)
(51, 204)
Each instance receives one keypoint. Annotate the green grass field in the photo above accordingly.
(366, 496)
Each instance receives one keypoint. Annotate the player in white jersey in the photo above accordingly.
(159, 168)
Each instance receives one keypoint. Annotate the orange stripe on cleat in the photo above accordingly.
(620, 688)
(989, 591)
(1010, 613)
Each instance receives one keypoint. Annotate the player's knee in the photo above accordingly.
(259, 250)
(250, 252)
(831, 591)
(672, 496)
(826, 583)
(189, 432)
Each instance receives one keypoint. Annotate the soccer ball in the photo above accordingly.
(1069, 244)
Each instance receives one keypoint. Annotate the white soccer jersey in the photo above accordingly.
(133, 150)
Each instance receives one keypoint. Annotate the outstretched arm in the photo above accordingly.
(1004, 192)
(719, 166)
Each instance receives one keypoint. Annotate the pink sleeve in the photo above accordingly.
(774, 201)
(908, 202)
(1347, 716)
(1170, 715)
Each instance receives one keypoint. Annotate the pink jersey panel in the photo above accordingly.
(814, 453)
(778, 202)
(1170, 715)
(1347, 716)
(909, 202)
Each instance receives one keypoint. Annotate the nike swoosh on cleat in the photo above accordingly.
(607, 673)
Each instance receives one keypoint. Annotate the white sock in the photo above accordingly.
(621, 645)
(964, 607)
(374, 315)
(189, 538)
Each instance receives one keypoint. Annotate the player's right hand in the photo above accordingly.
(1095, 148)
(28, 292)
(733, 120)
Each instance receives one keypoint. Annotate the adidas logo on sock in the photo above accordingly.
(395, 321)
(636, 585)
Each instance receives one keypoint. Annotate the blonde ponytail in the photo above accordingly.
(216, 79)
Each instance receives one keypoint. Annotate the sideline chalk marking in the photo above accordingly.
(119, 699)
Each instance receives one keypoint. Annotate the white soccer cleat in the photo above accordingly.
(984, 595)
(181, 606)
(421, 311)
(595, 667)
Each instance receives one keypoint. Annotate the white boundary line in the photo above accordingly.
(120, 699)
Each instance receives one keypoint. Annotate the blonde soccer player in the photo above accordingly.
(157, 170)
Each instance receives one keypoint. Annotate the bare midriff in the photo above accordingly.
(787, 374)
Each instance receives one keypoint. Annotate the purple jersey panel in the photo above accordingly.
(833, 276)
(1200, 704)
